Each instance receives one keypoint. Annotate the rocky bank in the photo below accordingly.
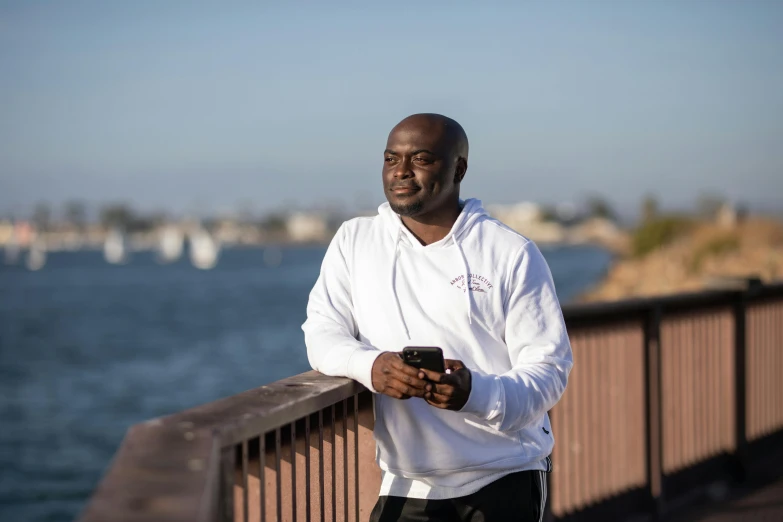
(703, 255)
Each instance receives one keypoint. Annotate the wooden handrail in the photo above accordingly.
(167, 468)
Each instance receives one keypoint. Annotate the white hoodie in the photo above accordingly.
(381, 290)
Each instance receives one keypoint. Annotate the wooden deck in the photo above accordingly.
(764, 504)
(760, 499)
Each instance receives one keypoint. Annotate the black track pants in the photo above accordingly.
(518, 497)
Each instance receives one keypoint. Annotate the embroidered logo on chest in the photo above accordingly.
(475, 283)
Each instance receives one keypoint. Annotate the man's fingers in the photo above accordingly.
(445, 390)
(397, 363)
(406, 389)
(453, 364)
(407, 369)
(449, 379)
(441, 390)
(412, 380)
(393, 393)
(395, 368)
(443, 378)
(408, 379)
(433, 376)
(437, 398)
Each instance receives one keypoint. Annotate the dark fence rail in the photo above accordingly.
(667, 395)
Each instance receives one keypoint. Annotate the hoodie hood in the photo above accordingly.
(472, 212)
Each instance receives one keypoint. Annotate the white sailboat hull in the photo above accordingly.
(204, 251)
(115, 248)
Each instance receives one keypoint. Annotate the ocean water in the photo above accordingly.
(88, 348)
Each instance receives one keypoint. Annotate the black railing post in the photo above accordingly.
(740, 386)
(653, 407)
(227, 468)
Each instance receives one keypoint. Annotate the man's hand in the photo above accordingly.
(392, 377)
(448, 391)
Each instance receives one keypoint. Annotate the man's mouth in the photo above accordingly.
(404, 189)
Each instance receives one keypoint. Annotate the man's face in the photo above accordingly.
(419, 169)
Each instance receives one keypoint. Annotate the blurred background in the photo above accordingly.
(171, 173)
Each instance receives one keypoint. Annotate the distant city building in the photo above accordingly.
(22, 233)
(304, 227)
(528, 219)
(228, 232)
(726, 216)
(6, 232)
(517, 215)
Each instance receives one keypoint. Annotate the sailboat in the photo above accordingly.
(204, 250)
(115, 248)
(36, 255)
(171, 245)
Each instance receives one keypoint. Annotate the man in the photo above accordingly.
(472, 443)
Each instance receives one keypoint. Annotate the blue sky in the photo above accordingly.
(188, 105)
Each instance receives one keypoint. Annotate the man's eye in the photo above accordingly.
(388, 160)
(421, 160)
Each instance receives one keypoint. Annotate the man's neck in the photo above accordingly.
(431, 228)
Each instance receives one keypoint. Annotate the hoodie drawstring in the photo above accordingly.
(471, 213)
(393, 288)
(467, 280)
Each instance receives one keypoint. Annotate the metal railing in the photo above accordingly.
(666, 394)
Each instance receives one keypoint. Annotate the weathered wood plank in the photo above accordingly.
(260, 410)
(159, 473)
(169, 468)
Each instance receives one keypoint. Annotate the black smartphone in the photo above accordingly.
(427, 357)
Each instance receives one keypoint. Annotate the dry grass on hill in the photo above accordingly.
(695, 256)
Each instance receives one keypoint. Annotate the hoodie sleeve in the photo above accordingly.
(538, 346)
(330, 329)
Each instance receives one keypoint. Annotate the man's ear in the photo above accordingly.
(462, 168)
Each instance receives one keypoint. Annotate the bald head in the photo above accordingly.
(450, 133)
(425, 161)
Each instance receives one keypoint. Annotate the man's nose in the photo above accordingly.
(403, 169)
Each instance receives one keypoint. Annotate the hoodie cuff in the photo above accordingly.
(484, 399)
(360, 366)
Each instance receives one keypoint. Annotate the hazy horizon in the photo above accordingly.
(185, 106)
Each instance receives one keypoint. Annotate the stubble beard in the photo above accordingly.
(407, 209)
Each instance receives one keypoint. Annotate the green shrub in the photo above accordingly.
(657, 232)
(715, 246)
